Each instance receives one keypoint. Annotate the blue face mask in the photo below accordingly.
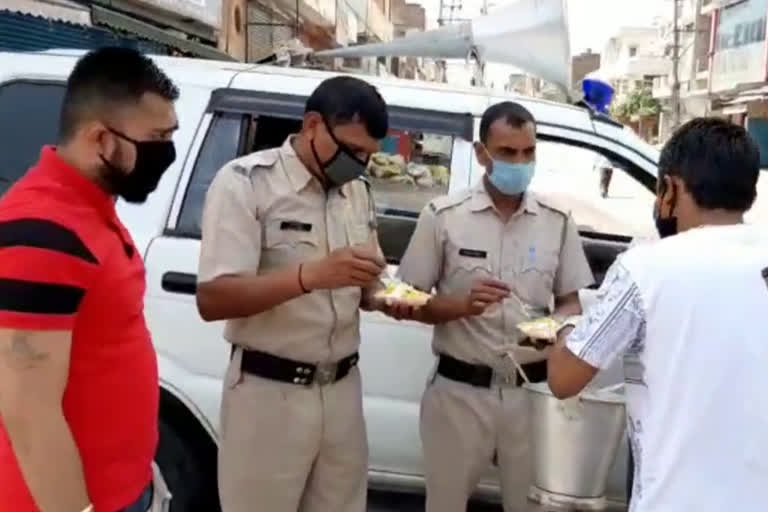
(511, 179)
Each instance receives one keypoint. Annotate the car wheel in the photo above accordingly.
(191, 483)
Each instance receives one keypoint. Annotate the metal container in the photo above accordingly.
(574, 442)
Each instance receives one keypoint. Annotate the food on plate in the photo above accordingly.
(398, 291)
(544, 328)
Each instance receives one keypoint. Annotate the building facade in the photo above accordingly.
(632, 59)
(582, 65)
(723, 64)
(694, 62)
(183, 27)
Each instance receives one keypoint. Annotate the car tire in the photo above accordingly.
(191, 483)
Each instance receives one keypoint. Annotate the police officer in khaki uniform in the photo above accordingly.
(493, 253)
(289, 255)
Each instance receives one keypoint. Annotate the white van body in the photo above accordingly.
(219, 101)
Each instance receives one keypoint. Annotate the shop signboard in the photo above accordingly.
(740, 45)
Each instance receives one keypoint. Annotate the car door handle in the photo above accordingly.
(180, 282)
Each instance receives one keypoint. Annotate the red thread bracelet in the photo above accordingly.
(301, 282)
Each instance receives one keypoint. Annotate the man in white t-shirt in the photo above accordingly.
(687, 314)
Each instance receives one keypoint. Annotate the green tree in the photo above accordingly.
(640, 103)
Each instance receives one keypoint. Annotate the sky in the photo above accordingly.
(591, 22)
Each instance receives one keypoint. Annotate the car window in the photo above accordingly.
(412, 168)
(220, 146)
(29, 119)
(601, 196)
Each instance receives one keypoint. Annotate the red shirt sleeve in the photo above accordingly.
(45, 272)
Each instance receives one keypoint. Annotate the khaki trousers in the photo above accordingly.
(462, 427)
(289, 448)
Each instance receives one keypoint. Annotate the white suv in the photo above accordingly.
(226, 110)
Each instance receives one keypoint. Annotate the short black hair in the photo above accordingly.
(717, 160)
(106, 79)
(513, 113)
(345, 99)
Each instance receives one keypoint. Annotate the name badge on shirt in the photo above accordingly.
(292, 225)
(473, 253)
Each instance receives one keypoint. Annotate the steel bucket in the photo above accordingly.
(574, 441)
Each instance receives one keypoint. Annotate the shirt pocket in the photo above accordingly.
(289, 242)
(464, 267)
(535, 279)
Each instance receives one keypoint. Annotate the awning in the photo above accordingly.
(56, 10)
(120, 21)
(748, 96)
(730, 110)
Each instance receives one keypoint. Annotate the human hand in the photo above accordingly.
(538, 344)
(401, 310)
(484, 293)
(358, 265)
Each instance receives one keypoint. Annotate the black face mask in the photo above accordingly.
(343, 166)
(153, 157)
(666, 226)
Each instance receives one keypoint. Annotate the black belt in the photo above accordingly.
(281, 369)
(482, 376)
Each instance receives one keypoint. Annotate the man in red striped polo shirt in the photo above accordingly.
(78, 372)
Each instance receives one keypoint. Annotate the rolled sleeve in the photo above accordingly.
(423, 259)
(574, 272)
(614, 323)
(231, 230)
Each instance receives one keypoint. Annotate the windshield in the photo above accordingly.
(643, 147)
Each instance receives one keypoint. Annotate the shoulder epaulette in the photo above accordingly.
(442, 203)
(546, 204)
(259, 160)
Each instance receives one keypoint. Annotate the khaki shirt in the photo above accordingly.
(264, 212)
(461, 239)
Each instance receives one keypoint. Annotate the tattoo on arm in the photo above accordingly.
(21, 354)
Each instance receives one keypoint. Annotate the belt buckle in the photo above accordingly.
(502, 380)
(326, 373)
